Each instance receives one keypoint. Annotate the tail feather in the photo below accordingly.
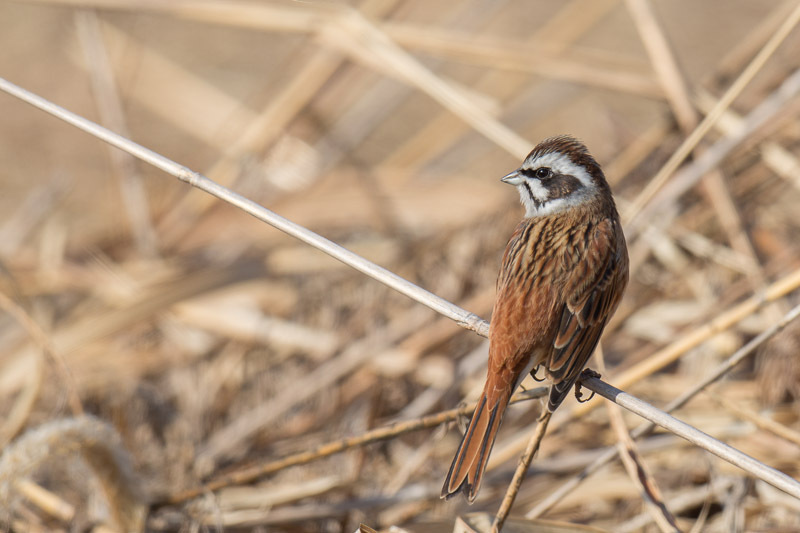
(469, 463)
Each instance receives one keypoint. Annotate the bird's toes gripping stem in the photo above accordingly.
(586, 374)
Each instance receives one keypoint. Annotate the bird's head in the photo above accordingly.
(558, 175)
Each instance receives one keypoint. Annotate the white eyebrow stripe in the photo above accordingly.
(560, 164)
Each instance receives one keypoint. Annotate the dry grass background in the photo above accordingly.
(212, 343)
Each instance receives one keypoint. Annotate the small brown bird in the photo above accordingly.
(563, 274)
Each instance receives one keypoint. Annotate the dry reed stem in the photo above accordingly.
(663, 61)
(199, 117)
(441, 306)
(639, 474)
(259, 497)
(386, 52)
(19, 224)
(766, 111)
(676, 88)
(520, 57)
(521, 471)
(250, 474)
(271, 122)
(649, 193)
(754, 467)
(634, 464)
(558, 32)
(682, 502)
(239, 431)
(346, 29)
(47, 345)
(109, 105)
(21, 409)
(51, 504)
(718, 324)
(748, 45)
(713, 376)
(777, 158)
(637, 151)
(731, 221)
(760, 421)
(581, 14)
(319, 65)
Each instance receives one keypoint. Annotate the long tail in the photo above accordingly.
(468, 466)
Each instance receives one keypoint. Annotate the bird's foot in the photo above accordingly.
(587, 373)
(535, 377)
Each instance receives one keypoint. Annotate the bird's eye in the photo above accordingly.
(543, 172)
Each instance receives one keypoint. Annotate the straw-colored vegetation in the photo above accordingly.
(170, 363)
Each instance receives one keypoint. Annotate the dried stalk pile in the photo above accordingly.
(170, 363)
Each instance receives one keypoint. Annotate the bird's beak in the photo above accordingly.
(512, 179)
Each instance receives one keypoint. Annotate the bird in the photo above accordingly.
(562, 276)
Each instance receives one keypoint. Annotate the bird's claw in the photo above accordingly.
(587, 373)
(535, 378)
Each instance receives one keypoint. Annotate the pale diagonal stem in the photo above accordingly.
(612, 451)
(440, 305)
(730, 454)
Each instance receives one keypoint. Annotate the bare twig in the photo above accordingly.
(722, 369)
(754, 467)
(440, 305)
(663, 61)
(325, 450)
(134, 198)
(521, 471)
(233, 435)
(521, 57)
(46, 345)
(634, 464)
(685, 500)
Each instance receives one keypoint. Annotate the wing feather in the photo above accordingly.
(592, 295)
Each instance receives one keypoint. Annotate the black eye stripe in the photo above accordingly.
(541, 172)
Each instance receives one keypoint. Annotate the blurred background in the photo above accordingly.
(212, 342)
